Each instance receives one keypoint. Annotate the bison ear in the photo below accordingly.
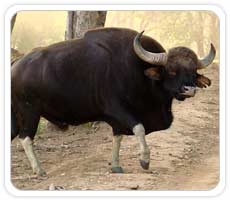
(153, 73)
(202, 81)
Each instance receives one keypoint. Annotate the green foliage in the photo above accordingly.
(41, 126)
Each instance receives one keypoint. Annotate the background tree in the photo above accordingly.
(78, 22)
(13, 20)
(15, 54)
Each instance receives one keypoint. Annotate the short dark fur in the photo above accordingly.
(96, 78)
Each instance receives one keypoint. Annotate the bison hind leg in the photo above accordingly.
(28, 129)
(27, 144)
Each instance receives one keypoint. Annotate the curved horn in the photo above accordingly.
(208, 59)
(149, 57)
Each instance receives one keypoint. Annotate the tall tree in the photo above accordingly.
(78, 22)
(13, 20)
(15, 54)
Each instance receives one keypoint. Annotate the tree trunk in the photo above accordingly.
(13, 20)
(79, 22)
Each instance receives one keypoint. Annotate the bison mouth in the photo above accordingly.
(186, 92)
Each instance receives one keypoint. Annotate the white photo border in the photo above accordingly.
(222, 104)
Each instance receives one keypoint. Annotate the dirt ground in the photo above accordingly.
(183, 157)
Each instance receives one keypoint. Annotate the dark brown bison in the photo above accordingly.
(113, 75)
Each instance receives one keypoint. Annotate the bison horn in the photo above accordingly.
(149, 57)
(208, 59)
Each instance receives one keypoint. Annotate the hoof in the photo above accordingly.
(144, 165)
(117, 170)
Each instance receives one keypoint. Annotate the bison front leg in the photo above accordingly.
(124, 118)
(116, 168)
(28, 147)
(139, 132)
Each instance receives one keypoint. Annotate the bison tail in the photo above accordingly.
(14, 126)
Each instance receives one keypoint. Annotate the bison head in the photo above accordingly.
(176, 69)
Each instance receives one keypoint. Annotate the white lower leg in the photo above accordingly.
(139, 132)
(115, 150)
(28, 147)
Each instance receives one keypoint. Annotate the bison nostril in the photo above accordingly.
(186, 88)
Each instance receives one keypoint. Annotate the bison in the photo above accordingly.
(114, 75)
